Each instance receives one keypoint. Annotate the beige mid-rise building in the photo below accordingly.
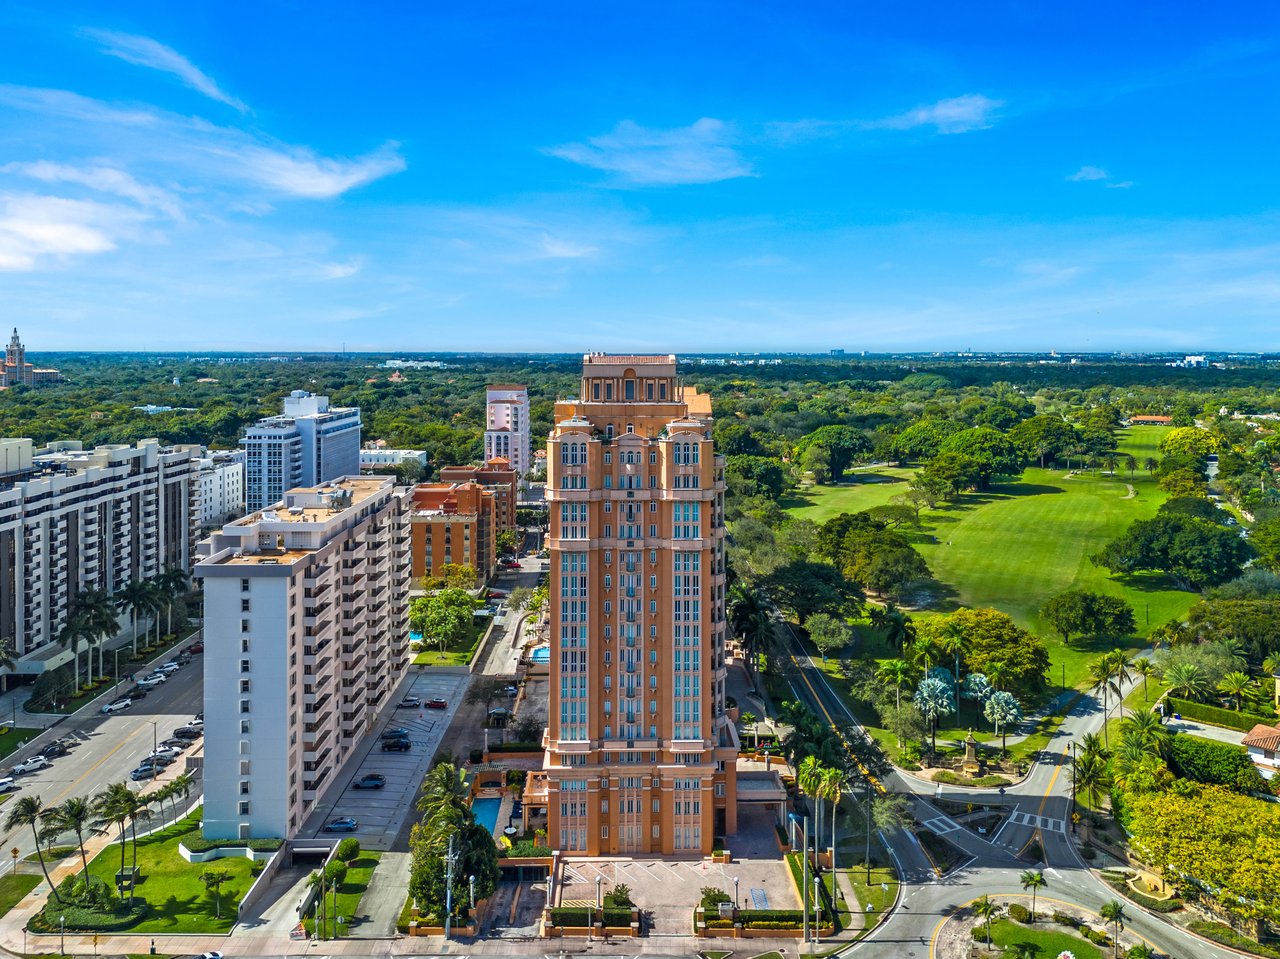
(640, 756)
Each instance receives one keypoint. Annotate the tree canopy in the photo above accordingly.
(1194, 552)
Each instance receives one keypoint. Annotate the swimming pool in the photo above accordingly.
(486, 813)
(540, 655)
(415, 637)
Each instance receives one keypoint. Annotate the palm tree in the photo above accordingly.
(952, 641)
(1236, 684)
(140, 809)
(72, 632)
(1090, 777)
(174, 582)
(922, 653)
(27, 811)
(7, 656)
(1144, 668)
(1100, 674)
(136, 598)
(1111, 461)
(1113, 912)
(1118, 662)
(1092, 744)
(1151, 464)
(213, 881)
(1131, 465)
(1033, 879)
(933, 699)
(830, 787)
(1271, 665)
(1148, 731)
(74, 815)
(809, 779)
(1021, 950)
(899, 629)
(896, 673)
(444, 799)
(179, 788)
(986, 910)
(1186, 681)
(996, 672)
(103, 620)
(113, 807)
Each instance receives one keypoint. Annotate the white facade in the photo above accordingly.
(507, 427)
(73, 519)
(219, 487)
(370, 458)
(306, 637)
(308, 444)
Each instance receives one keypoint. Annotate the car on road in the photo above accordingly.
(395, 732)
(7, 783)
(187, 732)
(497, 594)
(144, 772)
(510, 565)
(177, 744)
(155, 675)
(150, 682)
(372, 781)
(396, 745)
(161, 762)
(409, 702)
(437, 703)
(54, 750)
(343, 825)
(198, 722)
(195, 648)
(169, 668)
(210, 955)
(166, 752)
(31, 765)
(117, 706)
(138, 692)
(512, 690)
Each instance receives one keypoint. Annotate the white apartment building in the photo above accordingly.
(506, 431)
(371, 457)
(219, 487)
(306, 637)
(73, 519)
(308, 444)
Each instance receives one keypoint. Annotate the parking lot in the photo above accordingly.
(382, 812)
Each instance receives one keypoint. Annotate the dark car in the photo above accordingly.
(187, 732)
(178, 744)
(372, 781)
(137, 693)
(396, 745)
(395, 732)
(161, 761)
(53, 750)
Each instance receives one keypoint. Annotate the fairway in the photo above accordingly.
(1019, 544)
(865, 490)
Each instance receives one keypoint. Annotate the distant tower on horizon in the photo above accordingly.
(506, 432)
(16, 371)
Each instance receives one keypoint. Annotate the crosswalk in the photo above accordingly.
(1038, 822)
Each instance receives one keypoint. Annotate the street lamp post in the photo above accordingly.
(1073, 785)
(62, 934)
(817, 908)
(735, 892)
(155, 748)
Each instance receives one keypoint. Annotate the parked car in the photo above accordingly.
(210, 955)
(186, 732)
(409, 702)
(372, 781)
(169, 668)
(396, 745)
(437, 703)
(117, 706)
(138, 692)
(154, 675)
(497, 594)
(163, 762)
(144, 772)
(8, 783)
(178, 744)
(513, 690)
(499, 712)
(195, 648)
(511, 565)
(166, 752)
(149, 682)
(343, 825)
(197, 723)
(31, 765)
(54, 750)
(395, 732)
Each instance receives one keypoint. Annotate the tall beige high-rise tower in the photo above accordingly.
(640, 756)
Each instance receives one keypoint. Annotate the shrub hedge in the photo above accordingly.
(1207, 761)
(1217, 716)
(348, 849)
(1143, 900)
(1227, 936)
(951, 779)
(1019, 913)
(196, 844)
(576, 916)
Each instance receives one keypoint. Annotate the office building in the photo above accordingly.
(506, 431)
(219, 487)
(16, 371)
(379, 457)
(640, 756)
(73, 519)
(306, 639)
(308, 444)
(453, 523)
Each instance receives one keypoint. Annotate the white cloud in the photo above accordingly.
(704, 152)
(339, 271)
(972, 111)
(145, 52)
(297, 171)
(103, 179)
(1089, 173)
(1122, 185)
(34, 228)
(65, 105)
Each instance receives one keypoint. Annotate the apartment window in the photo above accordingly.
(244, 705)
(608, 581)
(662, 391)
(608, 506)
(657, 833)
(244, 586)
(244, 767)
(653, 606)
(653, 506)
(653, 582)
(604, 805)
(608, 607)
(653, 529)
(653, 632)
(653, 555)
(653, 656)
(244, 787)
(608, 430)
(244, 665)
(608, 556)
(244, 606)
(244, 809)
(608, 458)
(648, 390)
(244, 626)
(244, 645)
(244, 727)
(244, 685)
(608, 391)
(657, 805)
(595, 392)
(631, 427)
(719, 789)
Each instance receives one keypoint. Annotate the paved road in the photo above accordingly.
(1041, 809)
(109, 747)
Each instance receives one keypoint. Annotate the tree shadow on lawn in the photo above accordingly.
(173, 914)
(1149, 583)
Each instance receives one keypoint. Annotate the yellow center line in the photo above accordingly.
(1043, 801)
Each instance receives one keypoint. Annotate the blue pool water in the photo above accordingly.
(486, 813)
(541, 654)
(415, 637)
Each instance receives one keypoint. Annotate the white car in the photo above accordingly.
(7, 783)
(31, 765)
(169, 667)
(150, 682)
(117, 706)
(156, 676)
(165, 752)
(196, 723)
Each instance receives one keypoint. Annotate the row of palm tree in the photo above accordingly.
(1109, 673)
(117, 806)
(821, 783)
(752, 621)
(986, 909)
(95, 615)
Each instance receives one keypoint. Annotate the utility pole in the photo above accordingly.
(450, 860)
(804, 881)
(866, 856)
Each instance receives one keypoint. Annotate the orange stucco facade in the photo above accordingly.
(640, 756)
(454, 523)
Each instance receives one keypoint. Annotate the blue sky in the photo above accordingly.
(687, 176)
